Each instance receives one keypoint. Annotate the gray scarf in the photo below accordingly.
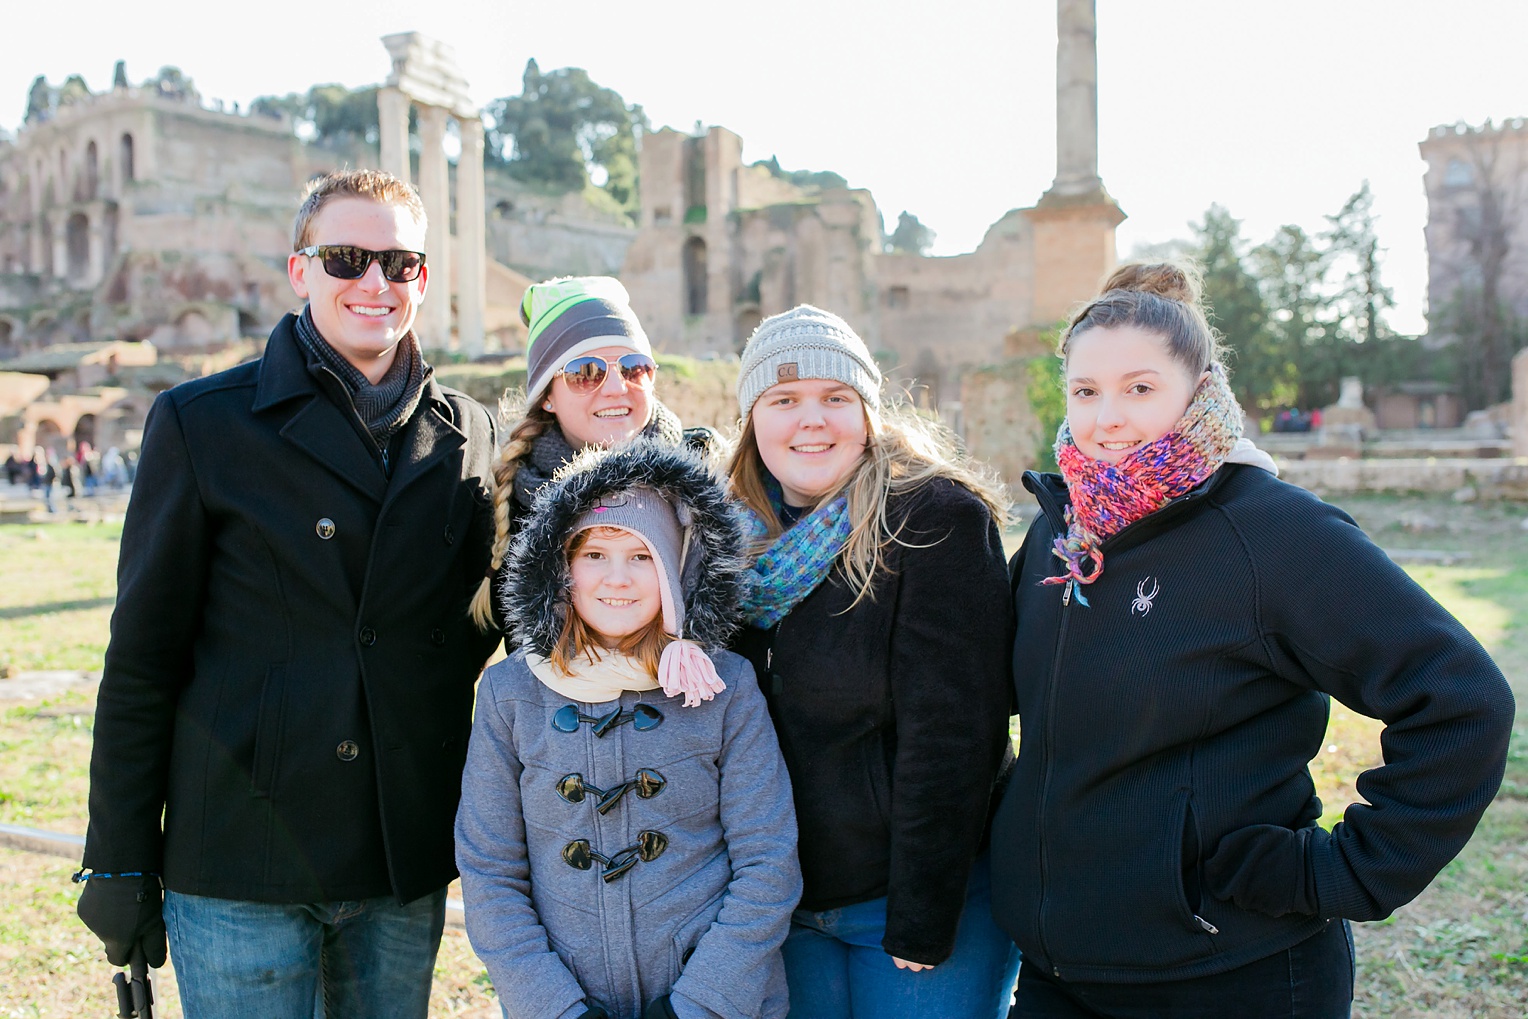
(551, 450)
(383, 408)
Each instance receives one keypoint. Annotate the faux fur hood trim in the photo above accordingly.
(536, 575)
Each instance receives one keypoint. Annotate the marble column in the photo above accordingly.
(435, 189)
(393, 131)
(471, 238)
(1076, 99)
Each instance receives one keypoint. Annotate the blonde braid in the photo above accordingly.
(533, 423)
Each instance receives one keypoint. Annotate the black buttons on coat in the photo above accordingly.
(368, 636)
(325, 528)
(348, 750)
(450, 535)
(437, 636)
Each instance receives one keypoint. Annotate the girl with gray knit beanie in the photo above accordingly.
(589, 382)
(880, 623)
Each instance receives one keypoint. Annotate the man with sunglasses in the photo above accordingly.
(287, 695)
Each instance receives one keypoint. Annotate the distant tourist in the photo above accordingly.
(880, 625)
(626, 837)
(1183, 618)
(289, 681)
(590, 381)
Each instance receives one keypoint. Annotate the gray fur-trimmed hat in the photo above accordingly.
(806, 343)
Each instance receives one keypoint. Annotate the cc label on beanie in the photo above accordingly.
(787, 373)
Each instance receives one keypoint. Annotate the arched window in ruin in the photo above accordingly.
(113, 220)
(125, 155)
(92, 172)
(695, 276)
(748, 320)
(77, 244)
(51, 438)
(85, 430)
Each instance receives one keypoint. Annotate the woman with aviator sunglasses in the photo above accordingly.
(589, 382)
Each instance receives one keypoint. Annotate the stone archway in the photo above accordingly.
(694, 259)
(85, 430)
(77, 244)
(51, 438)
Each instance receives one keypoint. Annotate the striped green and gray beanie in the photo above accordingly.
(806, 343)
(569, 317)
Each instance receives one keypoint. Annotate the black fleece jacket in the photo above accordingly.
(1161, 820)
(893, 718)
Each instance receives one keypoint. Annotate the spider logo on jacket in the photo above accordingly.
(1142, 603)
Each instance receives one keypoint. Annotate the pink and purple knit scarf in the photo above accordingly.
(1107, 498)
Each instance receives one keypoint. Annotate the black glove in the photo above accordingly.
(595, 1012)
(659, 1009)
(1266, 869)
(125, 912)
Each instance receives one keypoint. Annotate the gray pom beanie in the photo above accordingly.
(806, 343)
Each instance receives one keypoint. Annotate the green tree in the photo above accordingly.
(910, 236)
(1291, 270)
(565, 130)
(812, 180)
(1263, 375)
(41, 100)
(1354, 250)
(337, 111)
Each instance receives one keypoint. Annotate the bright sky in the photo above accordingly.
(1277, 111)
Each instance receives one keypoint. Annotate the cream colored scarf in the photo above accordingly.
(593, 682)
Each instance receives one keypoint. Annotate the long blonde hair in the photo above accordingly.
(904, 451)
(534, 422)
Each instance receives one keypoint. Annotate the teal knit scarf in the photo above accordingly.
(798, 561)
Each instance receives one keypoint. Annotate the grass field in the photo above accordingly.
(1460, 950)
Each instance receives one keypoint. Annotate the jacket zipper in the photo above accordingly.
(1051, 510)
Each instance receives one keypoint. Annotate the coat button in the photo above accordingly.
(368, 636)
(347, 751)
(450, 535)
(437, 636)
(325, 528)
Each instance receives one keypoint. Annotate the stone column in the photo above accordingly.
(435, 190)
(471, 238)
(393, 133)
(1076, 99)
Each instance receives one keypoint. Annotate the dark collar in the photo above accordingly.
(284, 373)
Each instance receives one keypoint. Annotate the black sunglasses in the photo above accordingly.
(642, 718)
(348, 262)
(579, 855)
(647, 784)
(586, 374)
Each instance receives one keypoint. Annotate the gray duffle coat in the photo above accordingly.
(703, 920)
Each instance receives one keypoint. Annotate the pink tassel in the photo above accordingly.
(686, 669)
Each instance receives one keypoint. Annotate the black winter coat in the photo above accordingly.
(291, 667)
(893, 719)
(1161, 820)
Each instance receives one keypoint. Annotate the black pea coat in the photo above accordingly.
(291, 667)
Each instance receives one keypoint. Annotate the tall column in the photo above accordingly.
(393, 131)
(1076, 100)
(471, 238)
(435, 190)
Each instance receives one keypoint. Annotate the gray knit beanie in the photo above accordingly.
(649, 516)
(806, 343)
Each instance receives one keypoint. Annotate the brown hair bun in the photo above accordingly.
(1176, 281)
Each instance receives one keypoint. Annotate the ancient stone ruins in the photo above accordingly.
(144, 234)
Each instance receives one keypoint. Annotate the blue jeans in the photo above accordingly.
(837, 969)
(369, 959)
(1312, 980)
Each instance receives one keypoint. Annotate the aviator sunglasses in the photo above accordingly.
(348, 262)
(586, 374)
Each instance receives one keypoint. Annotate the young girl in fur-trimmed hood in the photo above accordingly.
(626, 837)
